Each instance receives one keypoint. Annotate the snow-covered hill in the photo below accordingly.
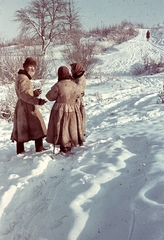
(112, 187)
(157, 33)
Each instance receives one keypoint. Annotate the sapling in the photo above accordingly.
(142, 166)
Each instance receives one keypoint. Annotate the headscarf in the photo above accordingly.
(63, 73)
(77, 70)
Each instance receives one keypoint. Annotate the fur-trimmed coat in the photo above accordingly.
(28, 121)
(65, 123)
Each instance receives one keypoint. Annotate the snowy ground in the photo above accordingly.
(112, 187)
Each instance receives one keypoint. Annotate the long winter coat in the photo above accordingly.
(28, 121)
(65, 122)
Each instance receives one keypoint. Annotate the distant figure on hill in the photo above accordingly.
(148, 35)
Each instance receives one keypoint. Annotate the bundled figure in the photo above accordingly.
(28, 121)
(148, 35)
(65, 122)
(77, 71)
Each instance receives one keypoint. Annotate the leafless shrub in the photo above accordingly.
(7, 104)
(117, 33)
(12, 60)
(156, 66)
(82, 52)
(149, 66)
(138, 69)
(98, 97)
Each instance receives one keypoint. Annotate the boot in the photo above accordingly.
(39, 145)
(69, 149)
(65, 149)
(20, 147)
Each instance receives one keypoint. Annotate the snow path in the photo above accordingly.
(123, 57)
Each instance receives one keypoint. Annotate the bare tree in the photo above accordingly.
(83, 52)
(72, 24)
(72, 16)
(43, 19)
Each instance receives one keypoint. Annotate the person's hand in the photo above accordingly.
(42, 101)
(37, 92)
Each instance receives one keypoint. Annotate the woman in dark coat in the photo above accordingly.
(148, 35)
(65, 122)
(28, 121)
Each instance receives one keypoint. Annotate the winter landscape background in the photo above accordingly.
(112, 187)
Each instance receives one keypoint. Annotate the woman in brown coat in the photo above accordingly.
(65, 123)
(28, 121)
(77, 71)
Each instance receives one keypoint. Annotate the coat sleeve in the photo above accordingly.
(81, 82)
(53, 93)
(26, 92)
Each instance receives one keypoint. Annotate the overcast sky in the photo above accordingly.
(94, 13)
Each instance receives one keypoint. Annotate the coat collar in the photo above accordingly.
(22, 71)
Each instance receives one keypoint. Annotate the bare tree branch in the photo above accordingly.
(45, 19)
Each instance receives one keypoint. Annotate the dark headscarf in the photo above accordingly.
(63, 73)
(77, 70)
